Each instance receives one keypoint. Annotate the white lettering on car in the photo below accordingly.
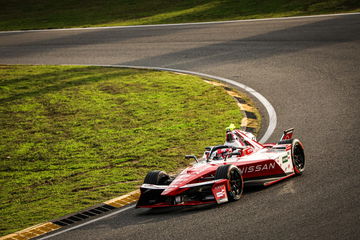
(257, 168)
(271, 165)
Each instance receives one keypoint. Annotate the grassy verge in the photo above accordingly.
(73, 136)
(40, 14)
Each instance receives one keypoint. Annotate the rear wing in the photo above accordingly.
(287, 134)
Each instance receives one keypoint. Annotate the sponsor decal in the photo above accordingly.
(285, 159)
(257, 168)
(220, 193)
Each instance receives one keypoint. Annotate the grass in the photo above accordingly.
(74, 136)
(43, 14)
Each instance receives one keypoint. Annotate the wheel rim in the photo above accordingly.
(299, 158)
(235, 183)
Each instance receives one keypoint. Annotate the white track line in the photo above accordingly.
(270, 109)
(86, 223)
(181, 24)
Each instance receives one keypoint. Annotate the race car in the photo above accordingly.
(222, 172)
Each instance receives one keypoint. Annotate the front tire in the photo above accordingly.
(298, 156)
(156, 177)
(233, 174)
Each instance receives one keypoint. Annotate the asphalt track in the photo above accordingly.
(307, 68)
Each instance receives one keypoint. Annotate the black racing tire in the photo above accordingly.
(298, 156)
(233, 174)
(156, 177)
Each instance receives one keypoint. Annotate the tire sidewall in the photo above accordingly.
(155, 177)
(295, 142)
(225, 173)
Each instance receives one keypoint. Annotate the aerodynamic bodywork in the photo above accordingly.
(222, 172)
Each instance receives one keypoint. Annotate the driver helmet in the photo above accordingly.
(233, 140)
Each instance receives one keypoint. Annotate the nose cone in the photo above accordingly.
(175, 187)
(187, 176)
(172, 191)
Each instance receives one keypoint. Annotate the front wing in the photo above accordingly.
(208, 192)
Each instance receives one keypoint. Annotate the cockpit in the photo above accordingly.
(221, 152)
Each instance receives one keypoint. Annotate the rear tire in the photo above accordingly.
(233, 174)
(156, 177)
(298, 156)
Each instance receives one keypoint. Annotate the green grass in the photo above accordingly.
(40, 14)
(74, 136)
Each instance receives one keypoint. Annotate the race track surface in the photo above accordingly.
(307, 68)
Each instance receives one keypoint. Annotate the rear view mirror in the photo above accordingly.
(191, 156)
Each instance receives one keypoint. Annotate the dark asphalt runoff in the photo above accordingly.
(309, 70)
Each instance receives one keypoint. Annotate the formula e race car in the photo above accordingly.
(220, 175)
